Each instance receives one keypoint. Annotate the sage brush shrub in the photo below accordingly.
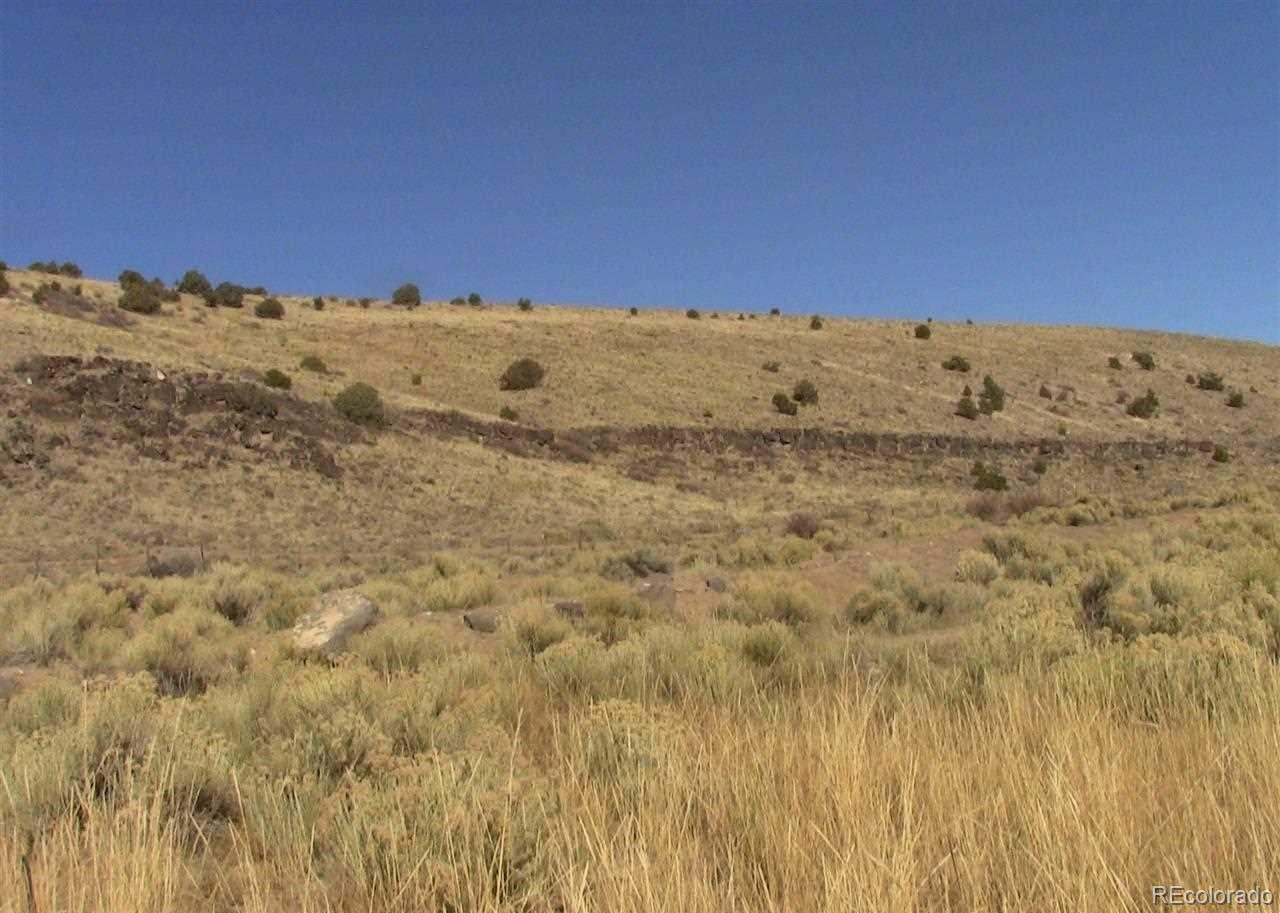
(1144, 406)
(957, 363)
(1236, 400)
(988, 478)
(314, 363)
(1210, 381)
(805, 393)
(270, 309)
(273, 377)
(1145, 360)
(923, 331)
(815, 322)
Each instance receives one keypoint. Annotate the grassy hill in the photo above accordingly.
(738, 659)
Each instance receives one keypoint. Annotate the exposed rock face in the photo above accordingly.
(332, 620)
(485, 621)
(192, 419)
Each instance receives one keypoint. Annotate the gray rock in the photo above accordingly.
(717, 584)
(571, 608)
(333, 618)
(484, 621)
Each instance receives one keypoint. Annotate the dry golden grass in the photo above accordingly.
(606, 368)
(1053, 708)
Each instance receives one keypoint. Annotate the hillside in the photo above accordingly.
(608, 368)
(654, 424)
(603, 652)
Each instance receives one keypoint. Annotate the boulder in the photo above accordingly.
(333, 618)
(484, 621)
(717, 584)
(571, 608)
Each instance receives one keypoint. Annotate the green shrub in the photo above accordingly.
(415, 380)
(269, 309)
(991, 399)
(524, 304)
(360, 403)
(276, 378)
(522, 374)
(956, 363)
(4, 284)
(1146, 361)
(130, 277)
(692, 314)
(314, 363)
(365, 302)
(507, 414)
(634, 312)
(923, 331)
(988, 478)
(1236, 400)
(1210, 381)
(227, 295)
(1221, 454)
(805, 393)
(407, 295)
(317, 303)
(1114, 363)
(783, 404)
(475, 300)
(1144, 406)
(193, 282)
(70, 269)
(966, 408)
(815, 322)
(775, 312)
(140, 299)
(771, 366)
(458, 301)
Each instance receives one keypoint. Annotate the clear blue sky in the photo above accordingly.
(1056, 162)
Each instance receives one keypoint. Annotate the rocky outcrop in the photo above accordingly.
(332, 620)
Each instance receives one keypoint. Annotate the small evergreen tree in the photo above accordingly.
(360, 403)
(193, 282)
(407, 296)
(991, 399)
(522, 374)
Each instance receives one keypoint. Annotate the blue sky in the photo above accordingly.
(1114, 164)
